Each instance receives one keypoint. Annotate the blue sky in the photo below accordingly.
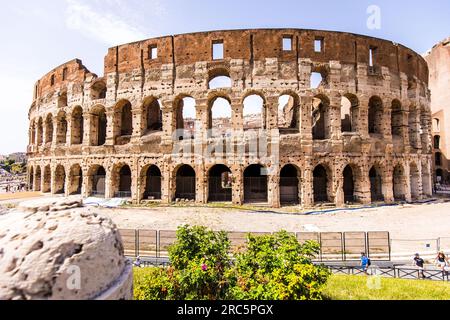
(37, 36)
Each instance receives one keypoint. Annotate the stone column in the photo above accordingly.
(87, 132)
(274, 189)
(363, 123)
(110, 129)
(238, 185)
(306, 103)
(388, 186)
(69, 131)
(307, 185)
(201, 181)
(387, 120)
(338, 186)
(67, 182)
(362, 186)
(55, 132)
(109, 189)
(137, 126)
(166, 190)
(135, 182)
(271, 113)
(86, 185)
(52, 180)
(169, 122)
(407, 183)
(335, 117)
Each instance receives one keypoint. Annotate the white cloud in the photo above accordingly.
(102, 25)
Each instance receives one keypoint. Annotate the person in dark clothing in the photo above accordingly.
(419, 263)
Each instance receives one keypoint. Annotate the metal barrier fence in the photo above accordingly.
(422, 246)
(335, 246)
(393, 272)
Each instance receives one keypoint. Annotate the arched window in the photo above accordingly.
(288, 113)
(321, 118)
(436, 125)
(437, 142)
(49, 129)
(438, 159)
(349, 113)
(98, 90)
(151, 116)
(62, 100)
(186, 115)
(375, 115)
(61, 128)
(220, 117)
(98, 126)
(414, 127)
(254, 112)
(123, 122)
(77, 126)
(397, 119)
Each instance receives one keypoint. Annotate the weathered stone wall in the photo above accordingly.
(257, 65)
(438, 59)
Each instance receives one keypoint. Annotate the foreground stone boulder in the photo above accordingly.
(59, 254)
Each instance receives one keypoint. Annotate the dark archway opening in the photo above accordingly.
(320, 184)
(153, 184)
(220, 184)
(124, 182)
(99, 182)
(376, 185)
(255, 184)
(289, 185)
(349, 185)
(185, 183)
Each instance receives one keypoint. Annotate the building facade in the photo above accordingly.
(363, 134)
(438, 59)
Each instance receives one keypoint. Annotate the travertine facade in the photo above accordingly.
(117, 135)
(438, 59)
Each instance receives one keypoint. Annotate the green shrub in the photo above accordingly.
(273, 267)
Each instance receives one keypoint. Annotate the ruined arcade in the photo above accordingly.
(361, 135)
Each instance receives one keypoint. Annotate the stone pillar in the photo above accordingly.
(271, 112)
(87, 125)
(274, 189)
(109, 189)
(69, 132)
(166, 190)
(334, 113)
(238, 186)
(387, 120)
(55, 132)
(52, 180)
(338, 186)
(363, 123)
(137, 126)
(67, 182)
(407, 183)
(388, 186)
(86, 185)
(306, 103)
(362, 186)
(201, 195)
(135, 182)
(110, 129)
(169, 122)
(307, 185)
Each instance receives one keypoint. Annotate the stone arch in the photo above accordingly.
(40, 132)
(219, 114)
(123, 122)
(75, 180)
(375, 115)
(399, 183)
(349, 113)
(254, 111)
(99, 125)
(97, 181)
(219, 78)
(415, 181)
(322, 184)
(321, 118)
(98, 90)
(414, 127)
(38, 179)
(290, 185)
(220, 184)
(60, 180)
(151, 179)
(397, 116)
(151, 116)
(47, 178)
(62, 100)
(256, 184)
(185, 117)
(288, 112)
(61, 128)
(49, 129)
(376, 183)
(122, 181)
(185, 183)
(77, 126)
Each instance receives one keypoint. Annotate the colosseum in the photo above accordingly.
(269, 116)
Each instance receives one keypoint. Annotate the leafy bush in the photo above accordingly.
(274, 267)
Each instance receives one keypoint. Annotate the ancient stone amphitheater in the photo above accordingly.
(298, 117)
